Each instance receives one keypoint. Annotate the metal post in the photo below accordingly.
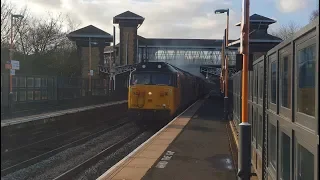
(226, 70)
(89, 86)
(10, 100)
(127, 49)
(244, 161)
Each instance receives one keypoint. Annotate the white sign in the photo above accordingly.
(12, 72)
(15, 64)
(91, 72)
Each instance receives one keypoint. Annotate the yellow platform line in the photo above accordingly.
(135, 165)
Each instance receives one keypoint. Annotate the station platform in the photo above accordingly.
(51, 116)
(195, 145)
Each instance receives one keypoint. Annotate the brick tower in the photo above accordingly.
(128, 23)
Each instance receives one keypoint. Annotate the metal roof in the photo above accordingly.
(259, 37)
(128, 15)
(256, 18)
(90, 32)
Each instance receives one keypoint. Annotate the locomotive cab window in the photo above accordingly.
(152, 79)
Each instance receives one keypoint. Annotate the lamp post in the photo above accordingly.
(244, 154)
(225, 58)
(18, 16)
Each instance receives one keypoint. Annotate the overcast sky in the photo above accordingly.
(172, 18)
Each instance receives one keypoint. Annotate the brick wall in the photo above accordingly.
(94, 61)
(129, 33)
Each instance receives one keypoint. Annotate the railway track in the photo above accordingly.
(72, 173)
(30, 154)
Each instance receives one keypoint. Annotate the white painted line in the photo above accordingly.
(55, 114)
(138, 148)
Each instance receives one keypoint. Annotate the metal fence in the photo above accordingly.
(34, 94)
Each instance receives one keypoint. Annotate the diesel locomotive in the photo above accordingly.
(158, 91)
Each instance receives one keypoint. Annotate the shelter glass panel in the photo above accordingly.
(261, 81)
(305, 162)
(260, 131)
(285, 65)
(273, 82)
(285, 157)
(272, 146)
(306, 80)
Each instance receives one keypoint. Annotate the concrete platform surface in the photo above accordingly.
(193, 146)
(201, 151)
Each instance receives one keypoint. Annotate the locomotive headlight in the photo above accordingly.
(150, 93)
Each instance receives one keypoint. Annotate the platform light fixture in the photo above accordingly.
(13, 16)
(225, 59)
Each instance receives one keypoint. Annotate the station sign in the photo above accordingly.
(12, 72)
(15, 65)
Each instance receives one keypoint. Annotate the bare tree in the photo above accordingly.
(314, 13)
(286, 31)
(6, 10)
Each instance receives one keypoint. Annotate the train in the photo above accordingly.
(158, 91)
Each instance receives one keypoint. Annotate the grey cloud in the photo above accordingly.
(163, 18)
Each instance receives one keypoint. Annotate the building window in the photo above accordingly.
(261, 82)
(273, 146)
(286, 82)
(273, 82)
(285, 157)
(306, 76)
(305, 162)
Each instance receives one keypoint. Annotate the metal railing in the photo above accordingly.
(34, 94)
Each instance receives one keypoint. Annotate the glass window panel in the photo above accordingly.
(254, 82)
(44, 95)
(285, 157)
(306, 77)
(273, 82)
(254, 120)
(260, 131)
(50, 82)
(286, 82)
(22, 96)
(272, 145)
(37, 82)
(30, 82)
(257, 81)
(22, 82)
(14, 81)
(305, 162)
(15, 96)
(44, 82)
(37, 95)
(30, 95)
